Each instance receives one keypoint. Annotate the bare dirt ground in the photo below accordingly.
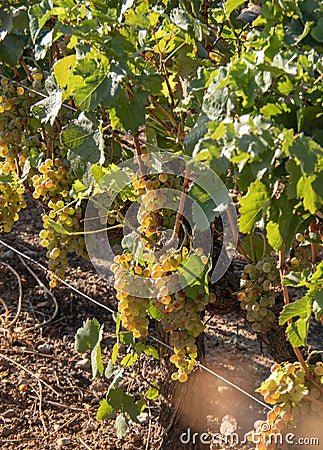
(48, 399)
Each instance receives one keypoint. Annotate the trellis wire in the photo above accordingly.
(92, 299)
(87, 297)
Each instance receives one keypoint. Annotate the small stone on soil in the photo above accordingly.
(63, 442)
(83, 363)
(44, 348)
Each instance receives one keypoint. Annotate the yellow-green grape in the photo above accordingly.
(295, 263)
(299, 237)
(153, 214)
(133, 310)
(260, 282)
(15, 102)
(59, 245)
(11, 202)
(319, 369)
(301, 255)
(293, 396)
(52, 180)
(180, 312)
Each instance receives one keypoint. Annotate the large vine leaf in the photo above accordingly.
(87, 336)
(89, 81)
(38, 16)
(297, 330)
(83, 137)
(282, 223)
(216, 98)
(105, 411)
(231, 5)
(63, 68)
(310, 189)
(129, 114)
(46, 110)
(253, 206)
(299, 308)
(6, 24)
(11, 49)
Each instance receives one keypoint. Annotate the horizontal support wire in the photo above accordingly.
(87, 297)
(126, 134)
(41, 94)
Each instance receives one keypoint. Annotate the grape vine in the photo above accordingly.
(234, 86)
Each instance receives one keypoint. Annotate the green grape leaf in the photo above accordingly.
(130, 407)
(46, 110)
(273, 109)
(317, 277)
(297, 332)
(313, 200)
(257, 245)
(303, 145)
(116, 396)
(11, 49)
(6, 179)
(96, 357)
(299, 308)
(296, 32)
(126, 337)
(20, 18)
(87, 336)
(152, 393)
(215, 100)
(81, 169)
(196, 134)
(6, 24)
(105, 411)
(38, 16)
(89, 82)
(154, 313)
(109, 370)
(121, 425)
(115, 352)
(294, 279)
(137, 19)
(206, 207)
(282, 223)
(317, 31)
(318, 303)
(114, 180)
(149, 350)
(83, 137)
(192, 269)
(63, 68)
(295, 174)
(180, 18)
(129, 360)
(231, 5)
(253, 206)
(129, 114)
